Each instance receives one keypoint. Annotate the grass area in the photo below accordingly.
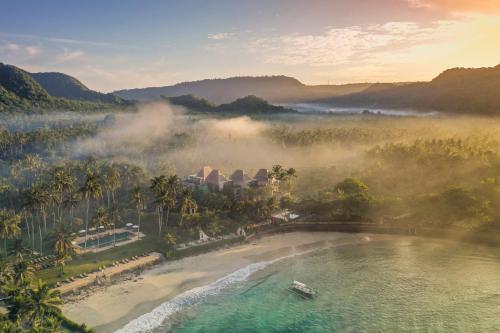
(89, 262)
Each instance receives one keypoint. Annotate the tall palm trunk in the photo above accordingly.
(159, 220)
(27, 228)
(44, 217)
(87, 203)
(167, 217)
(33, 231)
(41, 238)
(108, 198)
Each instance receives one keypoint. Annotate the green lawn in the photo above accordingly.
(92, 261)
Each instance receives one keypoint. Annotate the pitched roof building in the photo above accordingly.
(216, 180)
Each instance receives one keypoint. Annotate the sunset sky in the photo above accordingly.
(113, 45)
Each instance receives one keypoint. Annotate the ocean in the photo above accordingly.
(398, 285)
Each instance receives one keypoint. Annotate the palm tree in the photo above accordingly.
(112, 182)
(172, 186)
(63, 246)
(158, 186)
(9, 226)
(62, 182)
(42, 303)
(100, 219)
(138, 202)
(7, 326)
(171, 240)
(71, 202)
(186, 203)
(282, 176)
(22, 272)
(90, 189)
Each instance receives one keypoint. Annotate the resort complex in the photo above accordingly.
(237, 185)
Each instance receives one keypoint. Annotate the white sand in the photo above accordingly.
(110, 309)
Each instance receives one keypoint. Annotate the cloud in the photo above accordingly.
(220, 36)
(55, 39)
(476, 6)
(19, 50)
(32, 50)
(343, 45)
(68, 56)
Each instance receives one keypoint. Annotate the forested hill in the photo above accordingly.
(457, 90)
(276, 89)
(62, 85)
(19, 91)
(249, 105)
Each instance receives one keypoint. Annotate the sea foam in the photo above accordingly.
(155, 318)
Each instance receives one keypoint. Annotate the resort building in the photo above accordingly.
(200, 177)
(261, 177)
(216, 180)
(237, 185)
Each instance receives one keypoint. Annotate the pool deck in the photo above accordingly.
(108, 272)
(81, 240)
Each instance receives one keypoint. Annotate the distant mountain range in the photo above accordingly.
(21, 90)
(249, 105)
(276, 89)
(457, 90)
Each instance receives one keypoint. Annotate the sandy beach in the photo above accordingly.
(111, 308)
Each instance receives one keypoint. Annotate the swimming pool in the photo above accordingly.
(107, 240)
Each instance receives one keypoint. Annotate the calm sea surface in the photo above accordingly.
(401, 285)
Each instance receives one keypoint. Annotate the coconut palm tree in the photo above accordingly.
(112, 181)
(186, 203)
(171, 241)
(62, 182)
(71, 202)
(101, 219)
(172, 186)
(63, 245)
(91, 189)
(22, 272)
(9, 226)
(138, 202)
(42, 302)
(158, 186)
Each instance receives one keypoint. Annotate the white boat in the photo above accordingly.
(302, 289)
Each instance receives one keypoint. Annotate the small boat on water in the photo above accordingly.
(302, 289)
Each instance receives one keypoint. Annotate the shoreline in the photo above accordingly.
(110, 308)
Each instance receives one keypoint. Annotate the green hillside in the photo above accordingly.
(65, 86)
(19, 91)
(246, 105)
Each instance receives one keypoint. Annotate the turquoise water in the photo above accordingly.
(401, 285)
(107, 240)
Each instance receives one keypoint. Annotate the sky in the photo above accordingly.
(120, 44)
